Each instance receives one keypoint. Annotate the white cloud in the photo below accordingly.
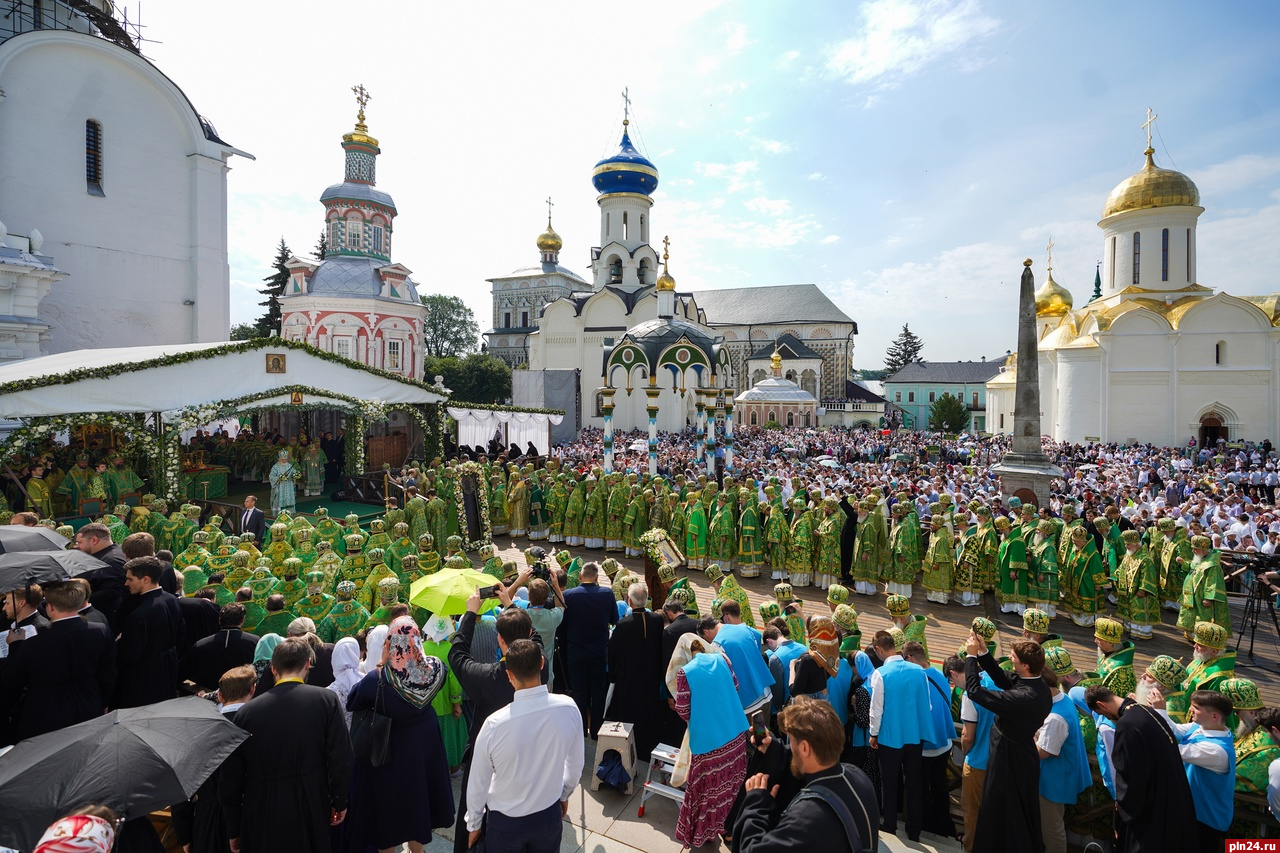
(786, 60)
(815, 176)
(770, 206)
(829, 239)
(736, 39)
(737, 175)
(900, 38)
(1243, 172)
(772, 146)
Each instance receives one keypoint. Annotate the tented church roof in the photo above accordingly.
(171, 377)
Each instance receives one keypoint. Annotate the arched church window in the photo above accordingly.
(599, 405)
(1137, 254)
(1220, 352)
(753, 418)
(644, 269)
(524, 318)
(377, 239)
(644, 234)
(615, 270)
(626, 229)
(93, 156)
(1164, 255)
(1113, 262)
(1188, 254)
(791, 419)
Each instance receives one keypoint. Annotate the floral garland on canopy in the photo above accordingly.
(649, 542)
(482, 498)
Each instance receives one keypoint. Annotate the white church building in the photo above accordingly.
(1157, 357)
(113, 190)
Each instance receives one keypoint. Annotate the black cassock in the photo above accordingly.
(277, 789)
(1009, 818)
(1152, 793)
(635, 668)
(198, 822)
(848, 534)
(146, 653)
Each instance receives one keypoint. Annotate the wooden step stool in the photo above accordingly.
(619, 736)
(656, 783)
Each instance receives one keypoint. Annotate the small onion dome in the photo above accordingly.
(666, 281)
(628, 171)
(1052, 299)
(1151, 187)
(549, 240)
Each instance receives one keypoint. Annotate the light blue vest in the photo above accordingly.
(715, 716)
(1100, 749)
(905, 719)
(838, 690)
(1213, 793)
(785, 653)
(742, 644)
(943, 728)
(978, 754)
(1066, 774)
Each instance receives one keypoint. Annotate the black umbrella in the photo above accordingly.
(135, 760)
(18, 537)
(19, 568)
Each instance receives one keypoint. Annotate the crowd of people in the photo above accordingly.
(301, 628)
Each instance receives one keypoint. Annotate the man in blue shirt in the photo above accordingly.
(743, 646)
(589, 611)
(900, 723)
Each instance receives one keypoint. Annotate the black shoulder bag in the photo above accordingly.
(837, 805)
(371, 732)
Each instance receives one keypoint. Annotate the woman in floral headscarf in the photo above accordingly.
(81, 833)
(409, 796)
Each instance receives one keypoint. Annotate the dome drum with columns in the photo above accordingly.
(356, 302)
(1157, 357)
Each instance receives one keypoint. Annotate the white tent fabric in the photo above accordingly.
(477, 426)
(229, 375)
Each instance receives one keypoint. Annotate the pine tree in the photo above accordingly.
(903, 351)
(1097, 284)
(949, 414)
(275, 285)
(322, 246)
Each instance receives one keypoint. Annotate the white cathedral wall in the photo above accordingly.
(1077, 378)
(1117, 246)
(158, 235)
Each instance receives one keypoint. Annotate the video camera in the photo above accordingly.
(541, 563)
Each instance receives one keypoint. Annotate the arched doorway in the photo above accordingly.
(1212, 428)
(1027, 497)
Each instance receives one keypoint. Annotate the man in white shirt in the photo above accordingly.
(1208, 751)
(527, 760)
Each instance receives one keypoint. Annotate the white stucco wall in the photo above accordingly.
(157, 237)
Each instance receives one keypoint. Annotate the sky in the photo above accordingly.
(903, 155)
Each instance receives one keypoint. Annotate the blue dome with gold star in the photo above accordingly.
(628, 171)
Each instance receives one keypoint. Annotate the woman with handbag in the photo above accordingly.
(401, 790)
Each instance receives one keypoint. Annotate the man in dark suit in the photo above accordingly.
(21, 609)
(146, 651)
(64, 675)
(210, 658)
(88, 612)
(253, 520)
(109, 592)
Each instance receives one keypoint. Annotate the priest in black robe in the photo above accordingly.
(150, 631)
(636, 671)
(1154, 809)
(285, 786)
(848, 534)
(1009, 817)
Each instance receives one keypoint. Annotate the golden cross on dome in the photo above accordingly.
(626, 106)
(549, 205)
(1146, 125)
(1048, 250)
(666, 250)
(362, 98)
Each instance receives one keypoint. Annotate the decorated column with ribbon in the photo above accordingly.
(711, 431)
(606, 408)
(652, 393)
(700, 426)
(728, 431)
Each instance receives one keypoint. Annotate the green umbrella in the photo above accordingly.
(446, 592)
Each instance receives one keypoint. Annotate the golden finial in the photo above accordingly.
(362, 98)
(1048, 251)
(665, 281)
(775, 360)
(1027, 262)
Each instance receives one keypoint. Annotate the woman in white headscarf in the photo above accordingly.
(346, 671)
(373, 643)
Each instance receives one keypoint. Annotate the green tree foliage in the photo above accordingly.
(275, 284)
(870, 375)
(477, 378)
(949, 414)
(244, 332)
(904, 350)
(450, 329)
(322, 246)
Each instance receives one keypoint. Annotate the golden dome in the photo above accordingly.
(665, 281)
(549, 240)
(1052, 299)
(1151, 187)
(775, 361)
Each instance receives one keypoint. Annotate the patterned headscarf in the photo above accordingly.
(416, 677)
(77, 834)
(824, 643)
